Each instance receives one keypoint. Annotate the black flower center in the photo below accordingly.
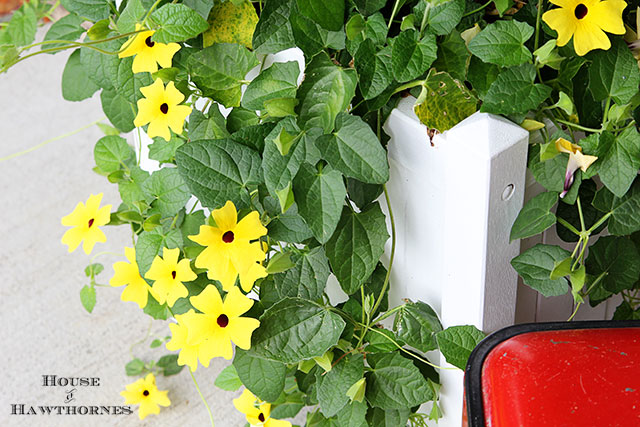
(145, 393)
(261, 417)
(91, 222)
(228, 237)
(581, 11)
(173, 274)
(164, 108)
(148, 42)
(223, 320)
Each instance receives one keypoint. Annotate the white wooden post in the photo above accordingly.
(454, 204)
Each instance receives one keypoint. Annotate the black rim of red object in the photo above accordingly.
(473, 373)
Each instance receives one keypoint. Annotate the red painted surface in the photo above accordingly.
(572, 378)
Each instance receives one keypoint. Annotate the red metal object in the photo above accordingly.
(568, 377)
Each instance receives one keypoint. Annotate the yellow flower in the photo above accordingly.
(145, 393)
(148, 53)
(577, 160)
(256, 411)
(586, 21)
(127, 273)
(230, 251)
(169, 274)
(220, 324)
(189, 353)
(160, 109)
(85, 220)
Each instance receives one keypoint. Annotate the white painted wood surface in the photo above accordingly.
(454, 203)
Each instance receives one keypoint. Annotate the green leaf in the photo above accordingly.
(280, 80)
(362, 194)
(128, 84)
(289, 227)
(614, 73)
(481, 75)
(416, 324)
(93, 269)
(264, 378)
(228, 379)
(618, 259)
(311, 38)
(134, 367)
(535, 216)
(295, 329)
(320, 197)
(395, 382)
(210, 126)
(118, 110)
(444, 17)
(329, 14)
(273, 32)
(513, 91)
(101, 68)
(155, 309)
(549, 173)
(374, 69)
(131, 191)
(502, 43)
(219, 170)
(93, 10)
(240, 120)
(22, 26)
(231, 22)
(287, 406)
(380, 341)
(453, 56)
(457, 342)
(624, 210)
(326, 91)
(219, 71)
(619, 160)
(176, 23)
(280, 262)
(169, 365)
(356, 391)
(150, 244)
(356, 246)
(444, 102)
(203, 7)
(369, 7)
(355, 150)
(133, 13)
(388, 417)
(332, 386)
(279, 170)
(165, 151)
(168, 190)
(100, 30)
(66, 28)
(111, 153)
(155, 343)
(76, 84)
(535, 266)
(306, 279)
(88, 297)
(412, 56)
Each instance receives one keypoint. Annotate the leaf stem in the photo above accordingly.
(142, 340)
(580, 214)
(586, 129)
(600, 221)
(536, 40)
(568, 226)
(48, 141)
(385, 284)
(574, 312)
(478, 9)
(393, 13)
(202, 397)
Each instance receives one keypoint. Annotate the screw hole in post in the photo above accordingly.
(508, 191)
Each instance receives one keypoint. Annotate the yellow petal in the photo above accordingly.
(583, 161)
(176, 117)
(564, 146)
(589, 36)
(158, 128)
(172, 95)
(146, 112)
(217, 345)
(563, 21)
(272, 422)
(608, 15)
(103, 216)
(249, 276)
(147, 408)
(171, 256)
(76, 217)
(240, 330)
(226, 216)
(144, 61)
(136, 292)
(73, 238)
(208, 301)
(175, 292)
(93, 236)
(161, 398)
(236, 304)
(246, 402)
(250, 227)
(164, 53)
(184, 271)
(93, 203)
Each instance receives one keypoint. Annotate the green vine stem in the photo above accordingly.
(202, 397)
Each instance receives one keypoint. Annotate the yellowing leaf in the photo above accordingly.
(231, 23)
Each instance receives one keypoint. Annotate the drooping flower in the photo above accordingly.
(257, 411)
(189, 354)
(160, 108)
(127, 273)
(231, 249)
(148, 54)
(221, 322)
(145, 393)
(169, 275)
(85, 220)
(586, 21)
(577, 160)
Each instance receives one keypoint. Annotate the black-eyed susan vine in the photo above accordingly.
(289, 177)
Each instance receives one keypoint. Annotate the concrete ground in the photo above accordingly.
(45, 330)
